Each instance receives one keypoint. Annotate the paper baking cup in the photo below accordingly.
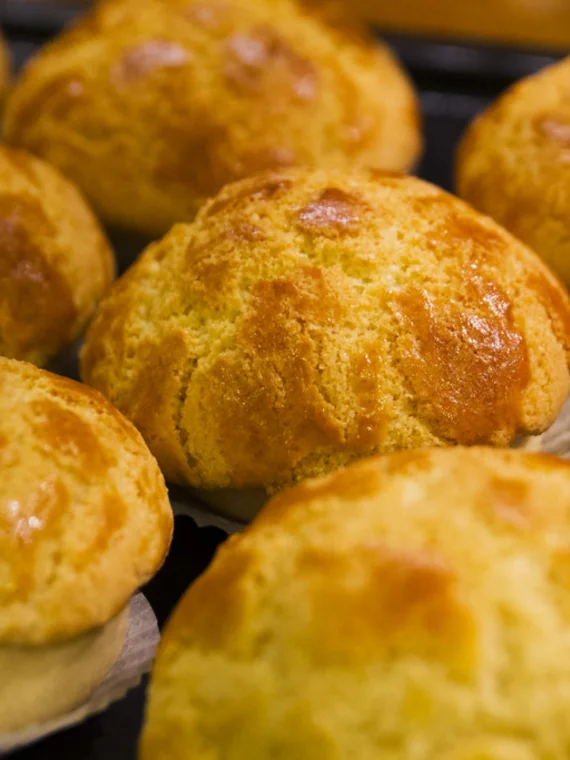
(557, 439)
(204, 514)
(134, 661)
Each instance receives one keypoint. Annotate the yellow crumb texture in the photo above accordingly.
(308, 318)
(84, 513)
(414, 605)
(514, 164)
(55, 262)
(152, 106)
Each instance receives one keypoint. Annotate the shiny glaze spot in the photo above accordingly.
(251, 55)
(466, 362)
(24, 524)
(140, 61)
(553, 129)
(334, 211)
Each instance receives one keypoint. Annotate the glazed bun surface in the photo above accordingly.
(55, 262)
(84, 513)
(151, 107)
(514, 164)
(412, 605)
(308, 318)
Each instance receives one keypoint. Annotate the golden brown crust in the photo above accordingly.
(490, 363)
(431, 623)
(84, 513)
(309, 318)
(514, 164)
(55, 262)
(151, 114)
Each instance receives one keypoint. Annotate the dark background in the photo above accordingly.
(455, 81)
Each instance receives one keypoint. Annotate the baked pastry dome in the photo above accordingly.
(55, 262)
(412, 605)
(514, 164)
(308, 318)
(84, 521)
(152, 107)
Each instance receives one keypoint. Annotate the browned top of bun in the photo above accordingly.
(307, 318)
(84, 513)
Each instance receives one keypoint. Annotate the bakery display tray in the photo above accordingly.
(455, 82)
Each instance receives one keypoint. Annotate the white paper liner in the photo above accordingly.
(557, 439)
(134, 661)
(204, 517)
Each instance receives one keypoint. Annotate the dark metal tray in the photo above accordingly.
(455, 82)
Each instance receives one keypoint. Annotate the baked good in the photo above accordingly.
(307, 318)
(4, 69)
(412, 605)
(514, 164)
(55, 262)
(534, 24)
(84, 521)
(152, 106)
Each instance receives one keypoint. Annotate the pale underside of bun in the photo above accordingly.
(39, 683)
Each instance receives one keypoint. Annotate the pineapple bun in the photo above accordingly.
(514, 164)
(84, 522)
(55, 261)
(151, 107)
(414, 605)
(308, 318)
